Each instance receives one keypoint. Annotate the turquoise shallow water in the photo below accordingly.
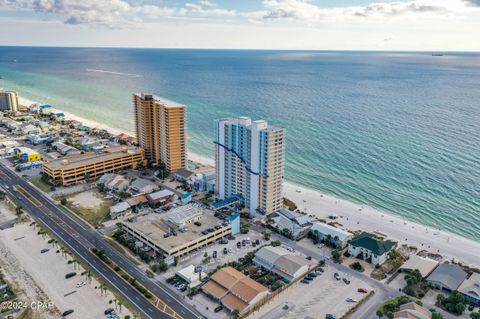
(396, 131)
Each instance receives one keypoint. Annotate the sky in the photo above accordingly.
(405, 25)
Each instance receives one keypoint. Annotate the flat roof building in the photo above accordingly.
(161, 233)
(191, 276)
(161, 130)
(470, 288)
(26, 154)
(424, 265)
(73, 169)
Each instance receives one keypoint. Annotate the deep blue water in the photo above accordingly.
(396, 131)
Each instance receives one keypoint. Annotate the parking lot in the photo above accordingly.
(323, 295)
(233, 253)
(49, 268)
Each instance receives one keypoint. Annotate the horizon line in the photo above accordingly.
(233, 49)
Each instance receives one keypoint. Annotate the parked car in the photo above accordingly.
(44, 250)
(239, 244)
(351, 300)
(337, 276)
(362, 290)
(81, 284)
(214, 255)
(304, 281)
(347, 281)
(109, 311)
(70, 275)
(329, 316)
(257, 241)
(218, 309)
(225, 251)
(67, 312)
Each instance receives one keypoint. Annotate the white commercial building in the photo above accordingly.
(250, 160)
(8, 101)
(282, 262)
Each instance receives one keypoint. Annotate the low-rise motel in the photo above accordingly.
(71, 170)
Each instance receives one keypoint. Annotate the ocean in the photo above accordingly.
(397, 131)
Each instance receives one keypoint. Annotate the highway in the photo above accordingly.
(80, 239)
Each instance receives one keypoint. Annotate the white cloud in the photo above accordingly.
(207, 3)
(119, 13)
(307, 11)
(106, 13)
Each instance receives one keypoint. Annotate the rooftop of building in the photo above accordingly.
(376, 246)
(234, 289)
(449, 275)
(154, 227)
(413, 311)
(471, 286)
(424, 265)
(160, 194)
(168, 103)
(25, 150)
(91, 157)
(182, 213)
(281, 259)
(246, 121)
(331, 230)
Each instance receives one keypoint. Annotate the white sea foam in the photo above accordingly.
(115, 73)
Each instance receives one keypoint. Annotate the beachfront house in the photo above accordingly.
(367, 247)
(337, 237)
(470, 288)
(291, 224)
(447, 277)
(424, 265)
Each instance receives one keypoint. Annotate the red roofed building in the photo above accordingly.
(234, 290)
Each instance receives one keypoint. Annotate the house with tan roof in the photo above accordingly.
(424, 265)
(412, 311)
(470, 288)
(234, 290)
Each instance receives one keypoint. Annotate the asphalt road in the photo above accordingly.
(80, 239)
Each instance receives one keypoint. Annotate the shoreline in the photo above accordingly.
(353, 216)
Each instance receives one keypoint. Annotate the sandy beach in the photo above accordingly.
(354, 216)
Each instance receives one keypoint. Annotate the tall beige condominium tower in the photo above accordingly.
(161, 130)
(8, 101)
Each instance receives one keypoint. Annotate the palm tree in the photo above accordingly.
(19, 210)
